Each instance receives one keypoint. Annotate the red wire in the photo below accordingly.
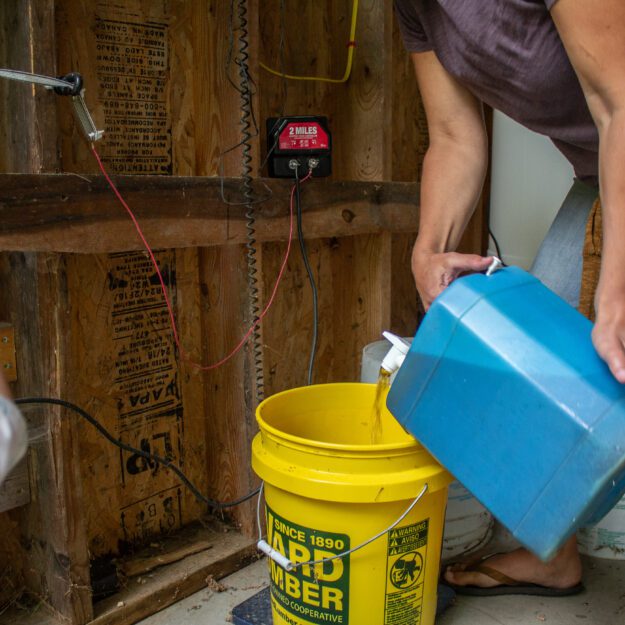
(172, 318)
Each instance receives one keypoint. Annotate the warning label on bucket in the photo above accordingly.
(405, 564)
(310, 594)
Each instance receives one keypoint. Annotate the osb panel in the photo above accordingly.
(131, 63)
(130, 378)
(156, 77)
(122, 50)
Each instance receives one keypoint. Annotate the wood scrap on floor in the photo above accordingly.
(141, 566)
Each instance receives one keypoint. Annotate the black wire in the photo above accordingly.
(230, 56)
(492, 236)
(277, 128)
(248, 94)
(139, 452)
(311, 278)
(246, 120)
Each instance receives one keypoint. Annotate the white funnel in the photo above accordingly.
(395, 356)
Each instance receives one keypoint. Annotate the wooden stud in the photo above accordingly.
(55, 560)
(228, 391)
(28, 113)
(56, 563)
(35, 212)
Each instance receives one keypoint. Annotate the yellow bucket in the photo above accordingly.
(328, 489)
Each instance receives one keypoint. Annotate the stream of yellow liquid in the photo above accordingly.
(381, 391)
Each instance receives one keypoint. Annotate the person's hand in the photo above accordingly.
(608, 335)
(433, 273)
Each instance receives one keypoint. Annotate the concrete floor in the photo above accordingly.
(210, 607)
(603, 602)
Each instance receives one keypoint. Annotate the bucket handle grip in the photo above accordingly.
(288, 565)
(276, 556)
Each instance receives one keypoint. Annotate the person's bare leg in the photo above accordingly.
(563, 571)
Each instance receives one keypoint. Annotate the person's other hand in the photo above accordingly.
(608, 335)
(433, 273)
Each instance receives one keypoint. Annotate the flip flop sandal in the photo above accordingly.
(508, 585)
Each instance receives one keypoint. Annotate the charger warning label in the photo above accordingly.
(405, 573)
(309, 594)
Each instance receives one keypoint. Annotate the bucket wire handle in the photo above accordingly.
(288, 565)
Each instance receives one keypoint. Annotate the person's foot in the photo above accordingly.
(563, 571)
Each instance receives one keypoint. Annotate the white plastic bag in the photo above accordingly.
(13, 436)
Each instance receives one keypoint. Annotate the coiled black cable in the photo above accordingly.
(211, 503)
(248, 194)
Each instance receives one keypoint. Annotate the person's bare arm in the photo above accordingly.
(453, 175)
(593, 33)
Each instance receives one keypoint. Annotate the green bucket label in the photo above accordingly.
(405, 573)
(317, 594)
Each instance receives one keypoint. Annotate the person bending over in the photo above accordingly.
(558, 68)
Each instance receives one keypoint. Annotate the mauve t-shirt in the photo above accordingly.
(509, 54)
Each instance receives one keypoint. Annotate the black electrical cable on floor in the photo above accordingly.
(311, 278)
(139, 452)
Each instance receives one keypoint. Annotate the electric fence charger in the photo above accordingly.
(301, 140)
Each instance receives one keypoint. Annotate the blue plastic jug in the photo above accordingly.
(503, 386)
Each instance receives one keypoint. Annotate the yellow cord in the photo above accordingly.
(350, 57)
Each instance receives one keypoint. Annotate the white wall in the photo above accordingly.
(530, 178)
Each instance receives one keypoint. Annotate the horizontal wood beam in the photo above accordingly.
(71, 213)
